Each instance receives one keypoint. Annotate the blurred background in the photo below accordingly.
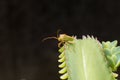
(24, 23)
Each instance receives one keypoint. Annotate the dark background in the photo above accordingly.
(24, 23)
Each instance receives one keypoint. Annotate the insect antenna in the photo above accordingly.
(49, 38)
(58, 31)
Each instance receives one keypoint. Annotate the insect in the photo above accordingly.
(62, 38)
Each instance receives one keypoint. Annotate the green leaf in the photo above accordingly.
(85, 60)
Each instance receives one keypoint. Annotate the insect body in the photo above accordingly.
(62, 38)
(65, 38)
